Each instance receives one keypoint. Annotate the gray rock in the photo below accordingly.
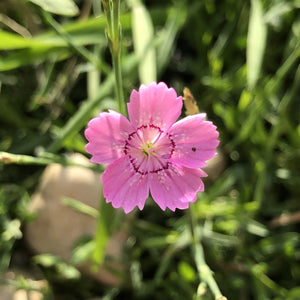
(57, 227)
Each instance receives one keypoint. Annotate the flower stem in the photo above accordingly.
(112, 13)
(204, 271)
(118, 78)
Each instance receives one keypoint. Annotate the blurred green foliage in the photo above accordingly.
(241, 61)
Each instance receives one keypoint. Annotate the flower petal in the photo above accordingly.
(176, 186)
(154, 104)
(195, 141)
(123, 186)
(106, 135)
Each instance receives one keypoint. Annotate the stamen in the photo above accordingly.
(149, 156)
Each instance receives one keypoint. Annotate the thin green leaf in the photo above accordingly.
(256, 42)
(13, 41)
(27, 56)
(80, 207)
(59, 7)
(176, 19)
(50, 44)
(104, 224)
(83, 252)
(143, 35)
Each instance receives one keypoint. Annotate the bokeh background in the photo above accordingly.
(240, 59)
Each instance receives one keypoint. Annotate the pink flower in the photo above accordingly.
(151, 152)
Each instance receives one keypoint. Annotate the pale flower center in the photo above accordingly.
(149, 149)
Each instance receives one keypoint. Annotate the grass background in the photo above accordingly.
(240, 59)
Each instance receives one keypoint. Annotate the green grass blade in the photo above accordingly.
(13, 41)
(256, 42)
(80, 207)
(176, 19)
(143, 36)
(59, 7)
(103, 232)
